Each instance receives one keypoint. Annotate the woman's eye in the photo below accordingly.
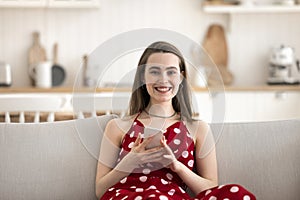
(172, 72)
(154, 72)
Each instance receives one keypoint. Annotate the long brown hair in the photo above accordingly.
(140, 97)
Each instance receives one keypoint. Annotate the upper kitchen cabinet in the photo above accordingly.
(23, 3)
(49, 3)
(74, 3)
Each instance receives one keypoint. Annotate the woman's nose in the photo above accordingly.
(163, 78)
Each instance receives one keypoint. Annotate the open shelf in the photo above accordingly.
(231, 9)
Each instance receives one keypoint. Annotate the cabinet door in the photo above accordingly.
(202, 106)
(277, 105)
(240, 106)
(23, 3)
(74, 3)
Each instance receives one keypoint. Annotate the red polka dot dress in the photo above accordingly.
(153, 181)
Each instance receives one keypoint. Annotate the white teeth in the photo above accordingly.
(163, 89)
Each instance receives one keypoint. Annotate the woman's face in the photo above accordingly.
(162, 77)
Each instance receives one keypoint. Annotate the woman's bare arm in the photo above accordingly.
(110, 147)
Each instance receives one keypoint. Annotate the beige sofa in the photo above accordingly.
(58, 160)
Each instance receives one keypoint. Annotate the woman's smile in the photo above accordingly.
(163, 89)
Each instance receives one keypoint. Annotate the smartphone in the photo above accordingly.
(156, 134)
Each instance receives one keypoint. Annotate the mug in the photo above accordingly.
(41, 73)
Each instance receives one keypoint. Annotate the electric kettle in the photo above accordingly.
(5, 74)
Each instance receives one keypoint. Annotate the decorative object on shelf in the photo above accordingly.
(87, 80)
(216, 47)
(37, 53)
(58, 72)
(282, 62)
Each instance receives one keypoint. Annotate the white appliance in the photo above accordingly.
(5, 74)
(282, 61)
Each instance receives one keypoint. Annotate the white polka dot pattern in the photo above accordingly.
(139, 190)
(130, 145)
(143, 178)
(207, 192)
(171, 192)
(152, 187)
(246, 197)
(185, 154)
(146, 171)
(169, 176)
(163, 181)
(177, 130)
(191, 163)
(131, 134)
(177, 141)
(212, 198)
(163, 197)
(234, 189)
(123, 180)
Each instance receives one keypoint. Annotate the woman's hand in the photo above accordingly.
(139, 155)
(168, 159)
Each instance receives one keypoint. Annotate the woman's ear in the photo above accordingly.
(182, 76)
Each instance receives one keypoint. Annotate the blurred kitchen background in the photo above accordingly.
(253, 29)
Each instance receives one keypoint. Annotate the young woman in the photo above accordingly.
(151, 153)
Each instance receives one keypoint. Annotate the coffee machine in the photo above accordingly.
(282, 61)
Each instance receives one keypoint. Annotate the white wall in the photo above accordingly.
(80, 31)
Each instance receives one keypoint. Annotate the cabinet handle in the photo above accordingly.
(281, 95)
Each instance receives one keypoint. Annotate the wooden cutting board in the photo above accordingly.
(36, 52)
(216, 46)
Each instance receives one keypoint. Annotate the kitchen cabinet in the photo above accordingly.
(50, 3)
(23, 3)
(276, 105)
(235, 104)
(74, 3)
(245, 106)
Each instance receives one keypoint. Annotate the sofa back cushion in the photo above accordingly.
(262, 156)
(58, 160)
(50, 160)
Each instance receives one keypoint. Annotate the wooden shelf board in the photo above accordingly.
(250, 9)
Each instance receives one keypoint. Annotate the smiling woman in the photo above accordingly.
(151, 153)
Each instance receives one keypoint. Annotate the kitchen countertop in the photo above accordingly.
(4, 90)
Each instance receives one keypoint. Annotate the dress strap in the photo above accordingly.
(137, 116)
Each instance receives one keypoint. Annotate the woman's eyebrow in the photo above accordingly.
(172, 67)
(154, 67)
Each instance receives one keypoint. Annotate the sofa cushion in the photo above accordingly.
(50, 160)
(262, 156)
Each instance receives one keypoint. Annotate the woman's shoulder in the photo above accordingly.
(197, 127)
(122, 124)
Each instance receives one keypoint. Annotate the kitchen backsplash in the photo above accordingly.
(250, 37)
